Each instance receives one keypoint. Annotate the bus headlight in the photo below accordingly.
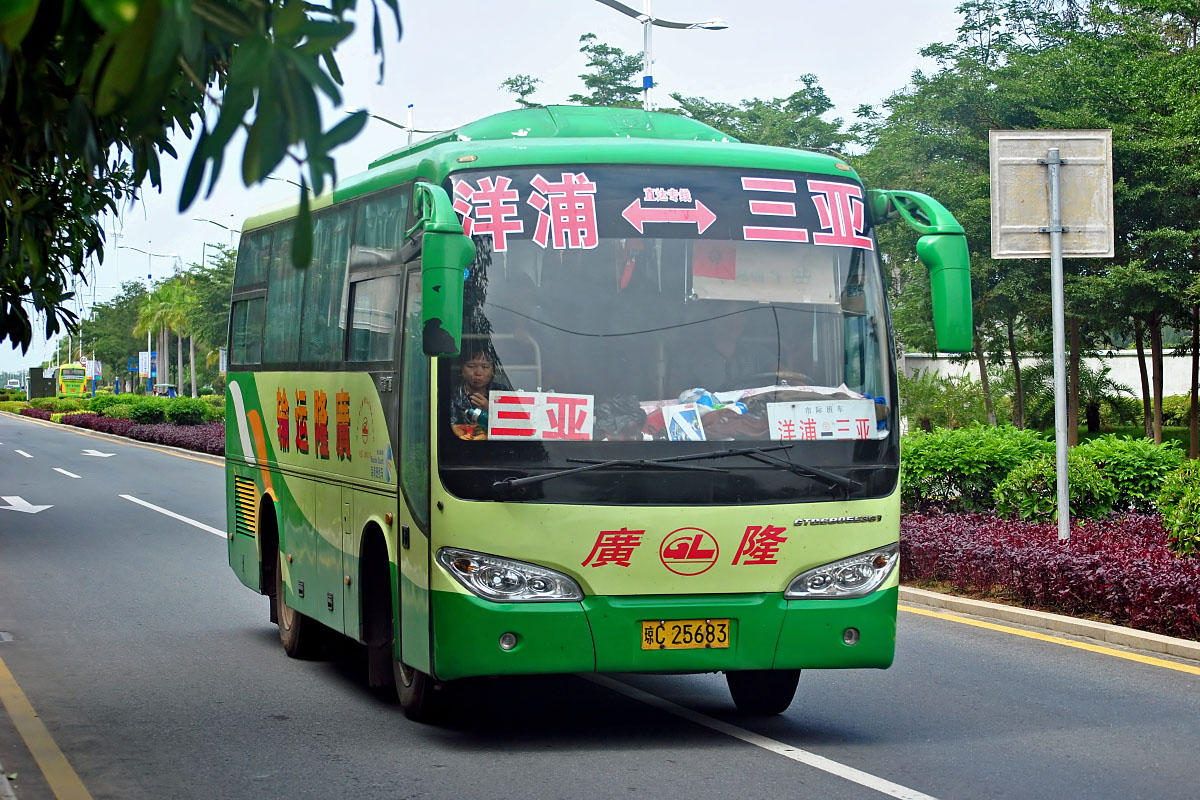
(856, 576)
(504, 580)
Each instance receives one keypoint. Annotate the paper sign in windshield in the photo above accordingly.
(540, 415)
(683, 423)
(819, 420)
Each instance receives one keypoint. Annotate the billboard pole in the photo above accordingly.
(1058, 309)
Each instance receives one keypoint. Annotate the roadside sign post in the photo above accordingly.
(1024, 198)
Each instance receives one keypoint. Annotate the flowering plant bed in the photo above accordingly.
(208, 437)
(1118, 569)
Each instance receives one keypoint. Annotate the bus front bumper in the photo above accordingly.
(604, 634)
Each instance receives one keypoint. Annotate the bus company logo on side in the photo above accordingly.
(689, 551)
(366, 420)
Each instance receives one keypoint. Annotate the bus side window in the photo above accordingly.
(285, 298)
(247, 331)
(373, 322)
(414, 408)
(323, 326)
(253, 259)
(379, 229)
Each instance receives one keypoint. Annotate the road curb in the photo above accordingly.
(165, 448)
(1087, 629)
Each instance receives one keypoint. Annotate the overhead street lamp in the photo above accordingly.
(648, 20)
(148, 255)
(271, 178)
(232, 231)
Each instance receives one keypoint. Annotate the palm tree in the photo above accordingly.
(165, 310)
(153, 316)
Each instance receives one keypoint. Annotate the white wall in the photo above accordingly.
(1177, 370)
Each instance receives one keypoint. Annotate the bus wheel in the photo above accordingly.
(417, 692)
(299, 635)
(761, 691)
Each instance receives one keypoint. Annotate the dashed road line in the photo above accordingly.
(64, 472)
(22, 452)
(173, 515)
(805, 757)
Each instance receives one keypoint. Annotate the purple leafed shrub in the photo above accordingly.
(95, 422)
(1118, 569)
(208, 437)
(36, 413)
(106, 425)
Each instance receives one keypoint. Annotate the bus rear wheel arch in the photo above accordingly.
(762, 691)
(300, 636)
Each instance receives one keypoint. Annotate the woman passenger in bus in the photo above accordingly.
(469, 403)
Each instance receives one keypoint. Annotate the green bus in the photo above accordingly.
(572, 390)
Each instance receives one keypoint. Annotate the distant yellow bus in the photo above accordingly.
(73, 381)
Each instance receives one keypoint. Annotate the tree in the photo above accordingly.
(609, 80)
(91, 91)
(1046, 64)
(792, 121)
(109, 332)
(522, 86)
(208, 312)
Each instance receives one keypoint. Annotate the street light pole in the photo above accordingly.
(647, 57)
(648, 19)
(232, 231)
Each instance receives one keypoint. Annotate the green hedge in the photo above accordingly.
(1179, 504)
(102, 401)
(962, 467)
(1136, 467)
(1030, 492)
(186, 411)
(149, 410)
(122, 410)
(59, 405)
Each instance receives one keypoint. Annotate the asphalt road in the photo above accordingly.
(158, 675)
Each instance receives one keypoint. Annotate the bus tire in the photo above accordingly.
(417, 692)
(762, 691)
(300, 636)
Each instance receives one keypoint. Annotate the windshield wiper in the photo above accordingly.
(763, 456)
(831, 479)
(512, 483)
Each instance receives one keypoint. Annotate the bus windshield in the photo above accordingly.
(666, 305)
(74, 374)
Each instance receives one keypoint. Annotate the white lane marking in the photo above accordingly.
(64, 472)
(20, 504)
(22, 452)
(173, 515)
(786, 750)
(98, 454)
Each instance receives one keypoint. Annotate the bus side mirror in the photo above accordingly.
(942, 248)
(446, 252)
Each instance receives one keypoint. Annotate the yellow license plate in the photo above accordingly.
(685, 634)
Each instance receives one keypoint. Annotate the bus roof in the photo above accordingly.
(568, 122)
(564, 135)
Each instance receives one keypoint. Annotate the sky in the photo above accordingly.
(452, 58)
